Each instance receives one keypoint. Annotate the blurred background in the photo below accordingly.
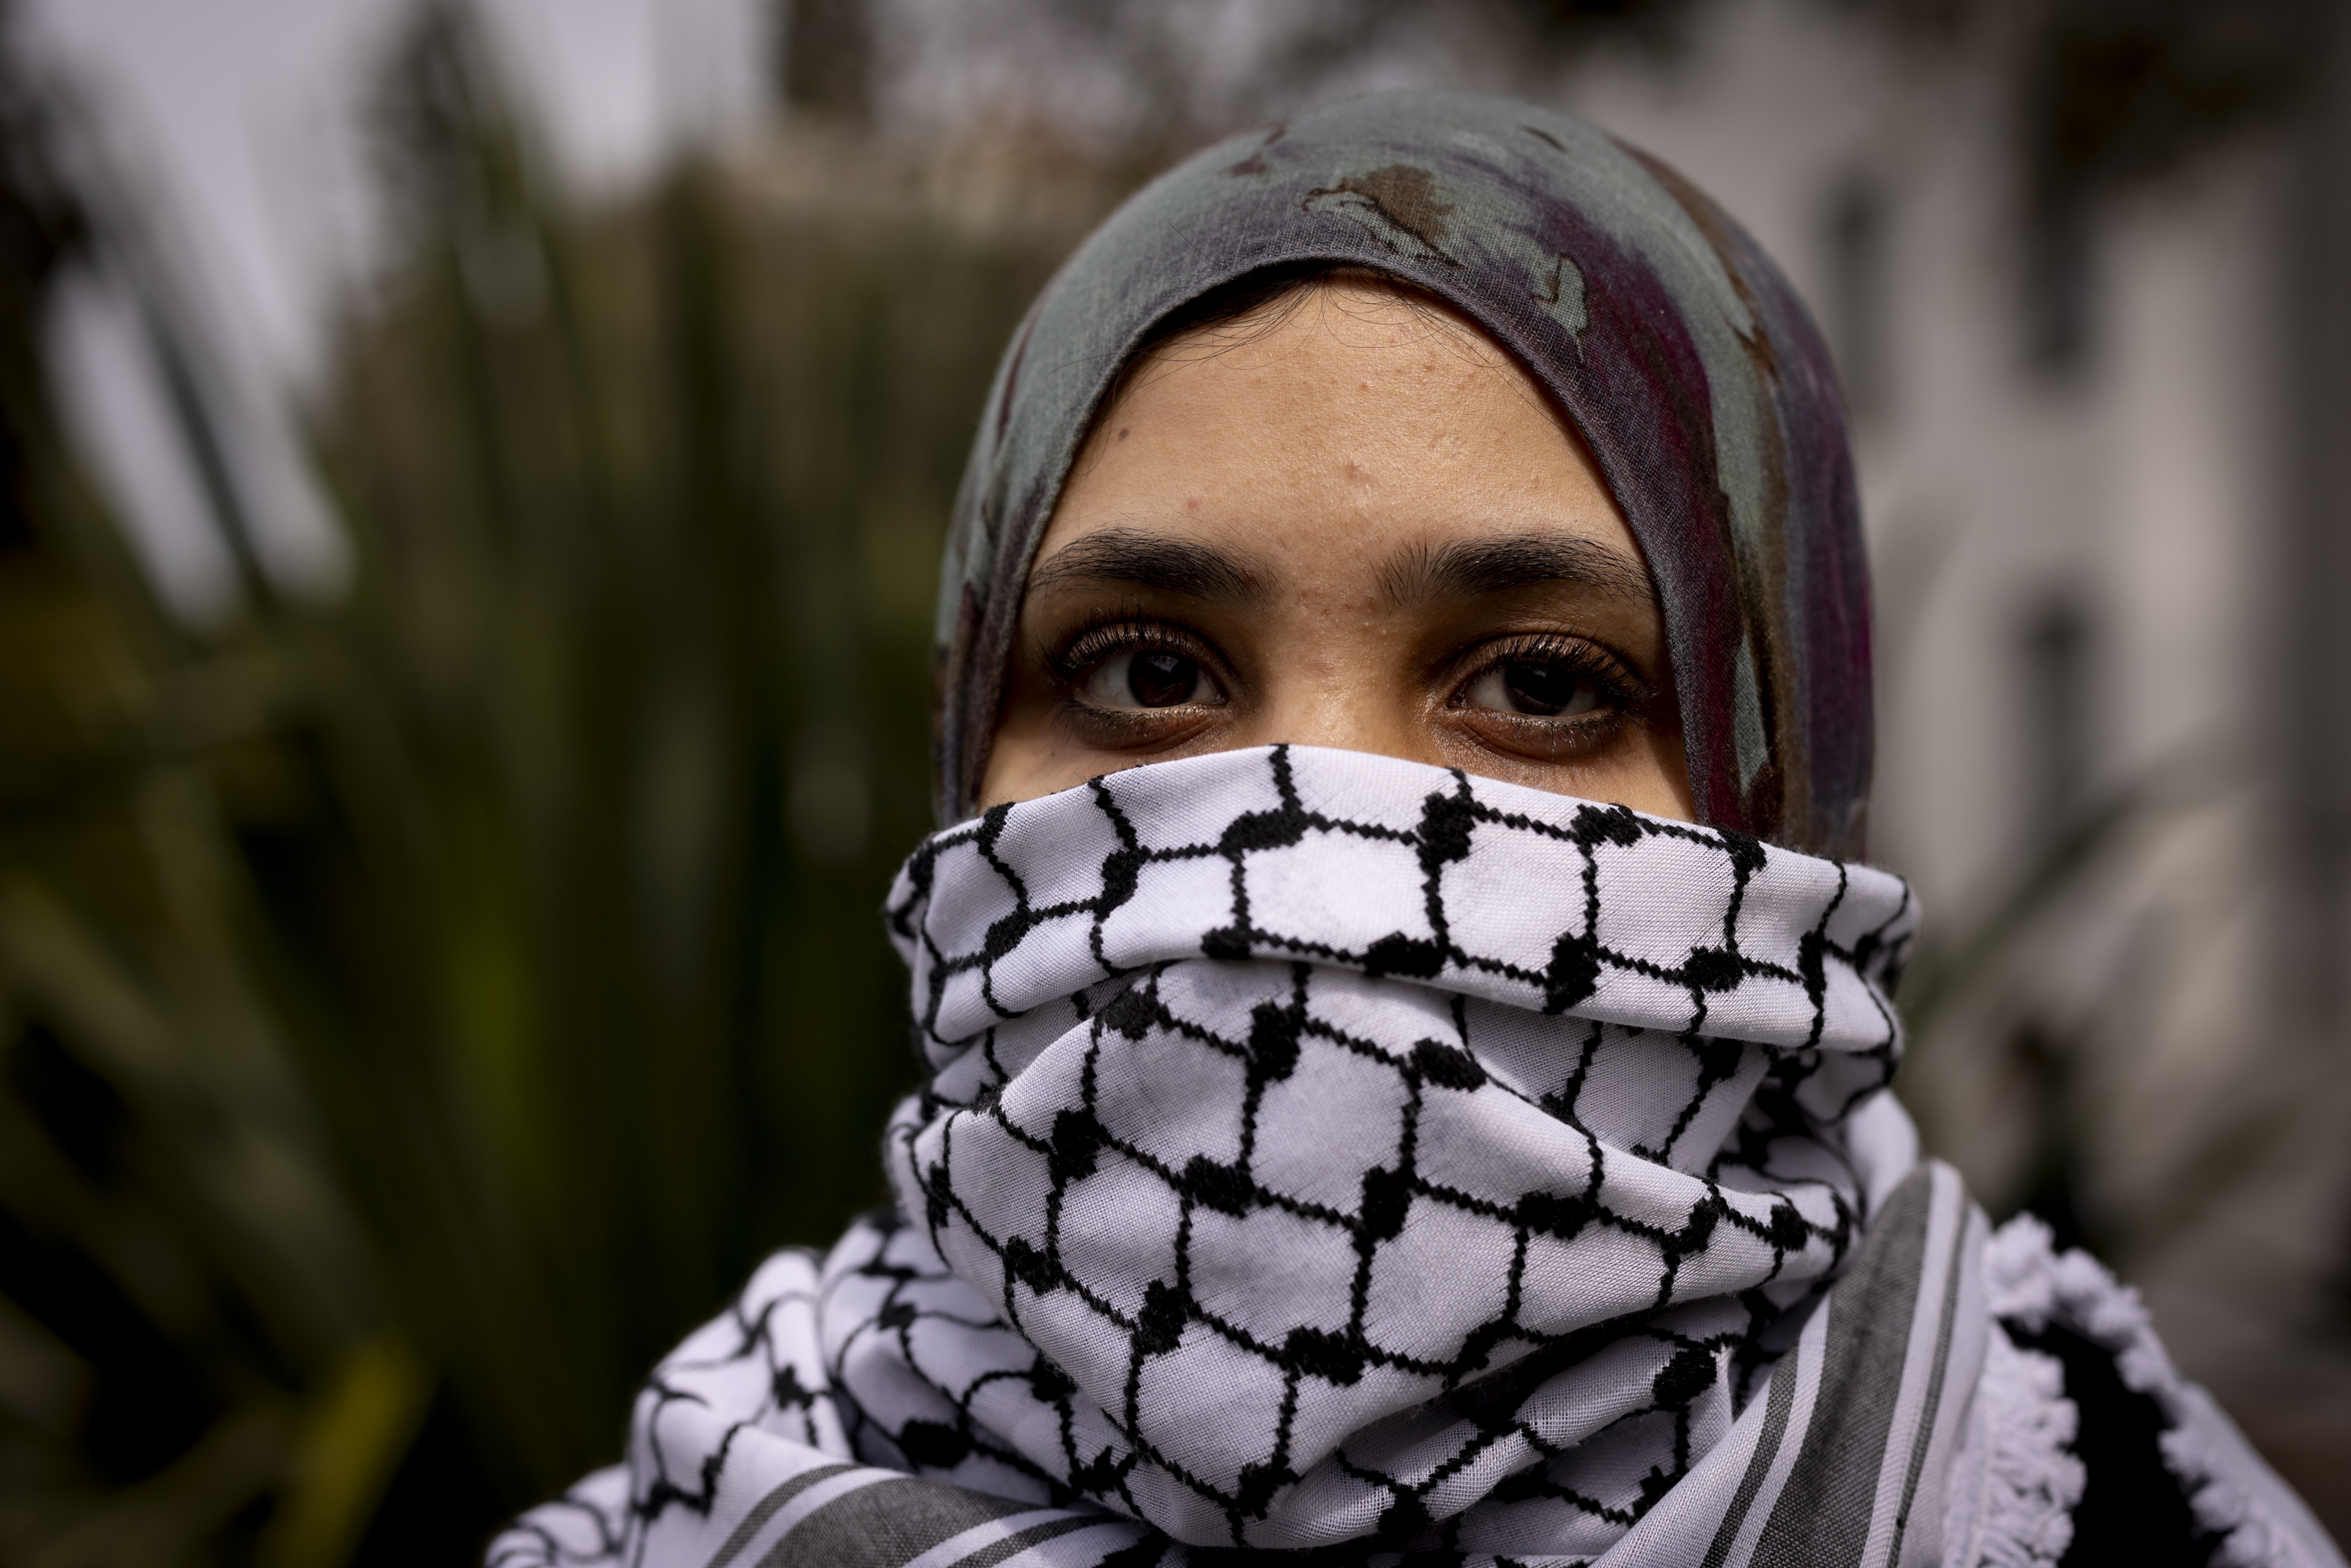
(470, 477)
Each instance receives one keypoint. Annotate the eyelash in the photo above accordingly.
(1069, 662)
(1622, 692)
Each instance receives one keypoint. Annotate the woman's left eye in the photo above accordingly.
(1539, 688)
(1150, 678)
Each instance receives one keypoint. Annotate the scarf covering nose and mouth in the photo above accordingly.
(1324, 1147)
(1329, 1151)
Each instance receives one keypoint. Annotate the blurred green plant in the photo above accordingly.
(419, 1008)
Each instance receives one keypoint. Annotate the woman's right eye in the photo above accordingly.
(1150, 678)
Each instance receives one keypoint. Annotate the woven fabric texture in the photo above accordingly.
(1322, 1146)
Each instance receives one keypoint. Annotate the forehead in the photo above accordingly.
(1340, 421)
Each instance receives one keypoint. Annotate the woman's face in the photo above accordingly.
(1349, 521)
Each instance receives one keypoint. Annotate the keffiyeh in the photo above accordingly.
(1349, 1158)
(1358, 1145)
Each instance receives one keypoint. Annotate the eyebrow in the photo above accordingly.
(1469, 568)
(1151, 561)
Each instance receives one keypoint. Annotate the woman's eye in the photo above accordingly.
(1148, 678)
(1541, 688)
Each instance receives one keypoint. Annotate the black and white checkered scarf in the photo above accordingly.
(1330, 1151)
(1330, 1146)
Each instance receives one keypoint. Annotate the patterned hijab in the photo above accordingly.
(1668, 338)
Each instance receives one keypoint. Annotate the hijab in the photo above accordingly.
(1668, 339)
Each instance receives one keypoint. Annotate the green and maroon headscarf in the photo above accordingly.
(1671, 341)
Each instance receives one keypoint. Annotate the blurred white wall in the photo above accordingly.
(2078, 580)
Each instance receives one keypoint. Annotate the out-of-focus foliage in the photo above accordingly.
(182, 1293)
(421, 1007)
(620, 733)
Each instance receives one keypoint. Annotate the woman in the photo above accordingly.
(1409, 1044)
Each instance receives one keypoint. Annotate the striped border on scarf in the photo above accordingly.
(1842, 1462)
(854, 1516)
